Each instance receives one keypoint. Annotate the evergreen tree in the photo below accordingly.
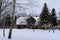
(54, 18)
(45, 15)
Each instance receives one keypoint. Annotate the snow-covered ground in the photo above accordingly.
(29, 34)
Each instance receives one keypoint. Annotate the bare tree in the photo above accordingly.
(0, 19)
(21, 8)
(12, 20)
(4, 21)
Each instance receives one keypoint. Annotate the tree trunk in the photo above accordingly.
(4, 29)
(10, 32)
(12, 20)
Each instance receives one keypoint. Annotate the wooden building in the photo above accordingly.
(22, 23)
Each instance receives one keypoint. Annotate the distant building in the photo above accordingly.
(21, 22)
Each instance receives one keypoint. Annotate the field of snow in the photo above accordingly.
(29, 34)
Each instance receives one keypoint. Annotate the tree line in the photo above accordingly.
(45, 17)
(48, 17)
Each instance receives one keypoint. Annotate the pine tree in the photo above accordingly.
(54, 18)
(45, 15)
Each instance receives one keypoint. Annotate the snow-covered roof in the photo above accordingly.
(22, 20)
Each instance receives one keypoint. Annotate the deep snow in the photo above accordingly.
(29, 34)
